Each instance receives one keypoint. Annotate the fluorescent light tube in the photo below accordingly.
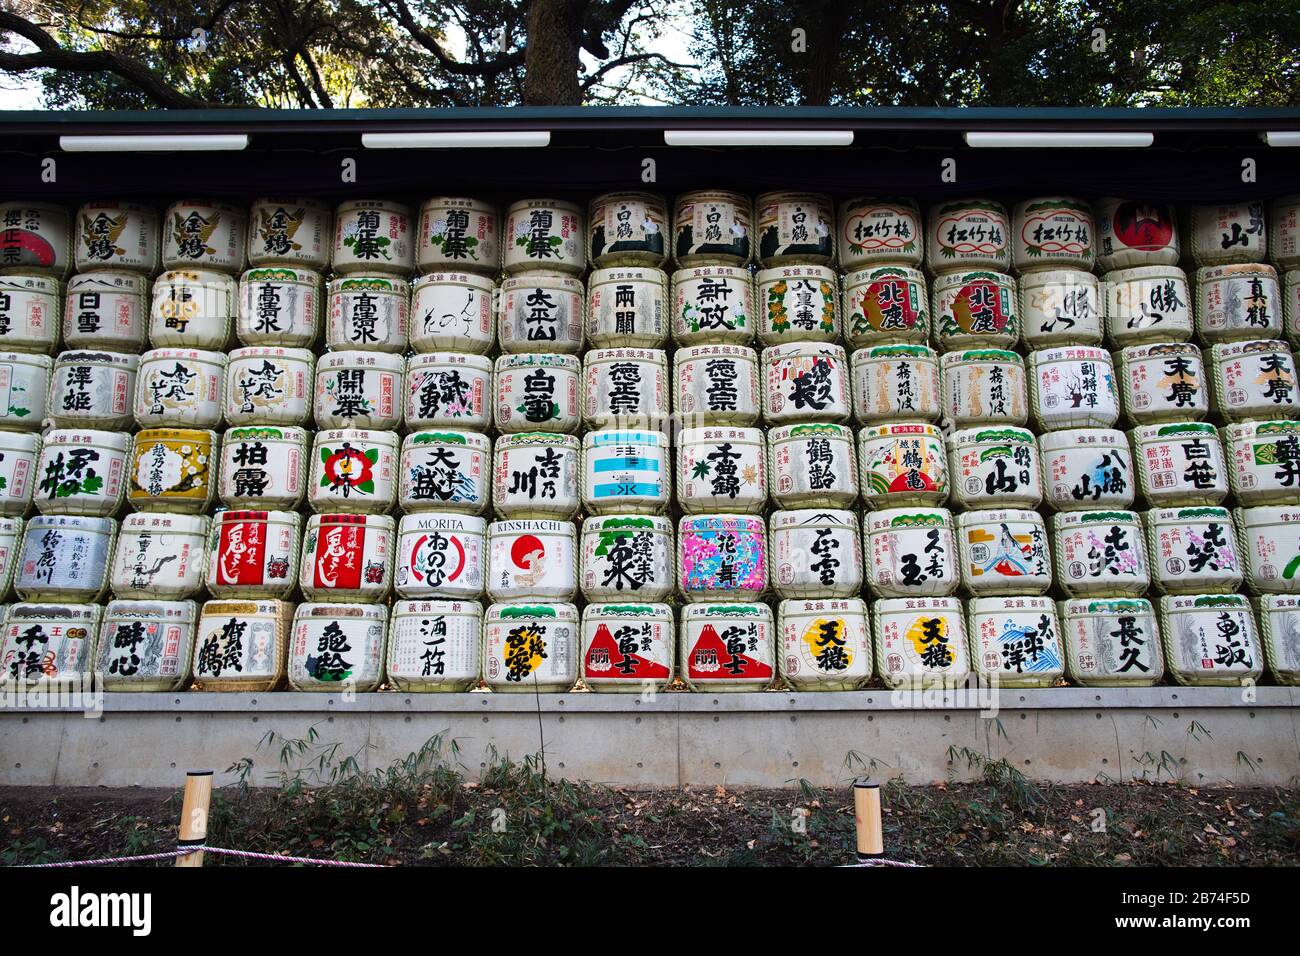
(1287, 138)
(1032, 140)
(758, 137)
(476, 139)
(154, 144)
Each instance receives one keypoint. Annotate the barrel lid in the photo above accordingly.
(377, 283)
(451, 277)
(529, 439)
(423, 359)
(163, 521)
(282, 273)
(384, 522)
(273, 351)
(183, 611)
(440, 520)
(339, 609)
(446, 436)
(88, 356)
(293, 433)
(387, 361)
(384, 205)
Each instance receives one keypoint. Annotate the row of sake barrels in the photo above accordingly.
(815, 645)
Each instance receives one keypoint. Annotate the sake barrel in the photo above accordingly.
(1291, 307)
(64, 558)
(625, 387)
(721, 557)
(10, 536)
(24, 388)
(984, 386)
(1269, 538)
(874, 231)
(146, 645)
(1164, 382)
(445, 470)
(458, 233)
(1254, 380)
(975, 310)
(1238, 302)
(1132, 233)
(347, 557)
(353, 470)
(627, 648)
(94, 389)
(50, 646)
(795, 228)
(1060, 307)
(902, 464)
(160, 557)
(712, 225)
(726, 647)
(911, 552)
(716, 385)
(448, 390)
(173, 469)
(360, 390)
(813, 466)
(815, 553)
(1052, 232)
(825, 644)
(625, 471)
(253, 554)
(885, 304)
(545, 234)
(203, 234)
(293, 233)
(337, 646)
(920, 642)
(968, 234)
(180, 387)
(269, 385)
(1284, 233)
(627, 558)
(537, 391)
(721, 468)
(263, 466)
(1180, 464)
(1087, 468)
(1112, 643)
(29, 312)
(713, 303)
(1279, 635)
(35, 237)
(1192, 551)
(1264, 462)
(536, 475)
(280, 306)
(368, 312)
(530, 648)
(452, 310)
(1015, 641)
(994, 467)
(1004, 552)
(1210, 639)
(798, 303)
(19, 452)
(373, 235)
(533, 560)
(441, 554)
(1099, 553)
(1147, 304)
(106, 310)
(435, 646)
(627, 307)
(242, 645)
(193, 309)
(1072, 387)
(1225, 233)
(806, 381)
(82, 471)
(628, 229)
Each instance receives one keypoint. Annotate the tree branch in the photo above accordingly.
(404, 17)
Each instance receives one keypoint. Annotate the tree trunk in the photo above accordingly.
(825, 38)
(551, 62)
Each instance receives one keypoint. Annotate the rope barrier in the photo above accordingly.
(200, 848)
(910, 866)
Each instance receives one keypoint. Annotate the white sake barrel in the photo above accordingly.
(798, 303)
(35, 237)
(1180, 464)
(173, 469)
(627, 558)
(435, 646)
(1072, 386)
(722, 557)
(1015, 641)
(627, 648)
(369, 312)
(874, 231)
(1291, 307)
(280, 306)
(1263, 461)
(532, 560)
(625, 387)
(360, 390)
(1087, 468)
(193, 309)
(1164, 382)
(348, 557)
(968, 234)
(160, 557)
(1133, 233)
(1192, 550)
(1284, 233)
(19, 452)
(795, 228)
(458, 233)
(1099, 553)
(64, 558)
(544, 234)
(537, 391)
(336, 646)
(146, 645)
(452, 310)
(712, 225)
(886, 304)
(529, 648)
(825, 644)
(106, 310)
(373, 235)
(441, 554)
(289, 232)
(726, 647)
(448, 389)
(628, 307)
(1279, 635)
(180, 387)
(984, 386)
(1147, 304)
(1052, 232)
(1112, 643)
(24, 389)
(202, 234)
(263, 467)
(10, 535)
(813, 466)
(626, 472)
(29, 312)
(920, 642)
(995, 467)
(94, 389)
(1238, 302)
(253, 554)
(1226, 233)
(902, 464)
(242, 645)
(721, 468)
(269, 385)
(445, 470)
(815, 553)
(716, 384)
(50, 646)
(713, 303)
(1210, 639)
(1004, 552)
(353, 470)
(536, 475)
(806, 381)
(975, 310)
(1269, 538)
(82, 471)
(911, 552)
(628, 229)
(1254, 380)
(1060, 307)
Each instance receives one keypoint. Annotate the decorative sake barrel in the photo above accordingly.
(106, 310)
(721, 468)
(1060, 307)
(627, 648)
(50, 646)
(445, 470)
(975, 310)
(984, 386)
(448, 390)
(368, 312)
(874, 231)
(886, 304)
(180, 387)
(279, 305)
(28, 377)
(716, 385)
(160, 556)
(625, 387)
(1279, 634)
(29, 312)
(825, 644)
(82, 471)
(373, 235)
(1210, 639)
(532, 561)
(1133, 233)
(1087, 468)
(1015, 641)
(1112, 643)
(173, 469)
(263, 467)
(1004, 552)
(441, 555)
(544, 234)
(627, 558)
(713, 303)
(435, 646)
(1254, 380)
(1099, 553)
(813, 466)
(536, 475)
(93, 389)
(994, 467)
(289, 232)
(1226, 233)
(242, 645)
(968, 234)
(453, 310)
(337, 646)
(721, 557)
(1291, 307)
(806, 381)
(19, 452)
(726, 647)
(1072, 387)
(1236, 302)
(902, 464)
(1263, 461)
(541, 312)
(1052, 232)
(192, 309)
(253, 554)
(537, 392)
(798, 303)
(353, 470)
(911, 552)
(628, 229)
(1180, 464)
(1269, 538)
(816, 553)
(712, 226)
(1284, 233)
(892, 382)
(628, 307)
(347, 557)
(458, 233)
(795, 228)
(361, 390)
(1192, 551)
(625, 471)
(146, 645)
(35, 237)
(1147, 304)
(64, 558)
(203, 234)
(11, 530)
(268, 385)
(1165, 382)
(530, 648)
(920, 642)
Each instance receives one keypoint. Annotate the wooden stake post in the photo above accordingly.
(866, 814)
(194, 815)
